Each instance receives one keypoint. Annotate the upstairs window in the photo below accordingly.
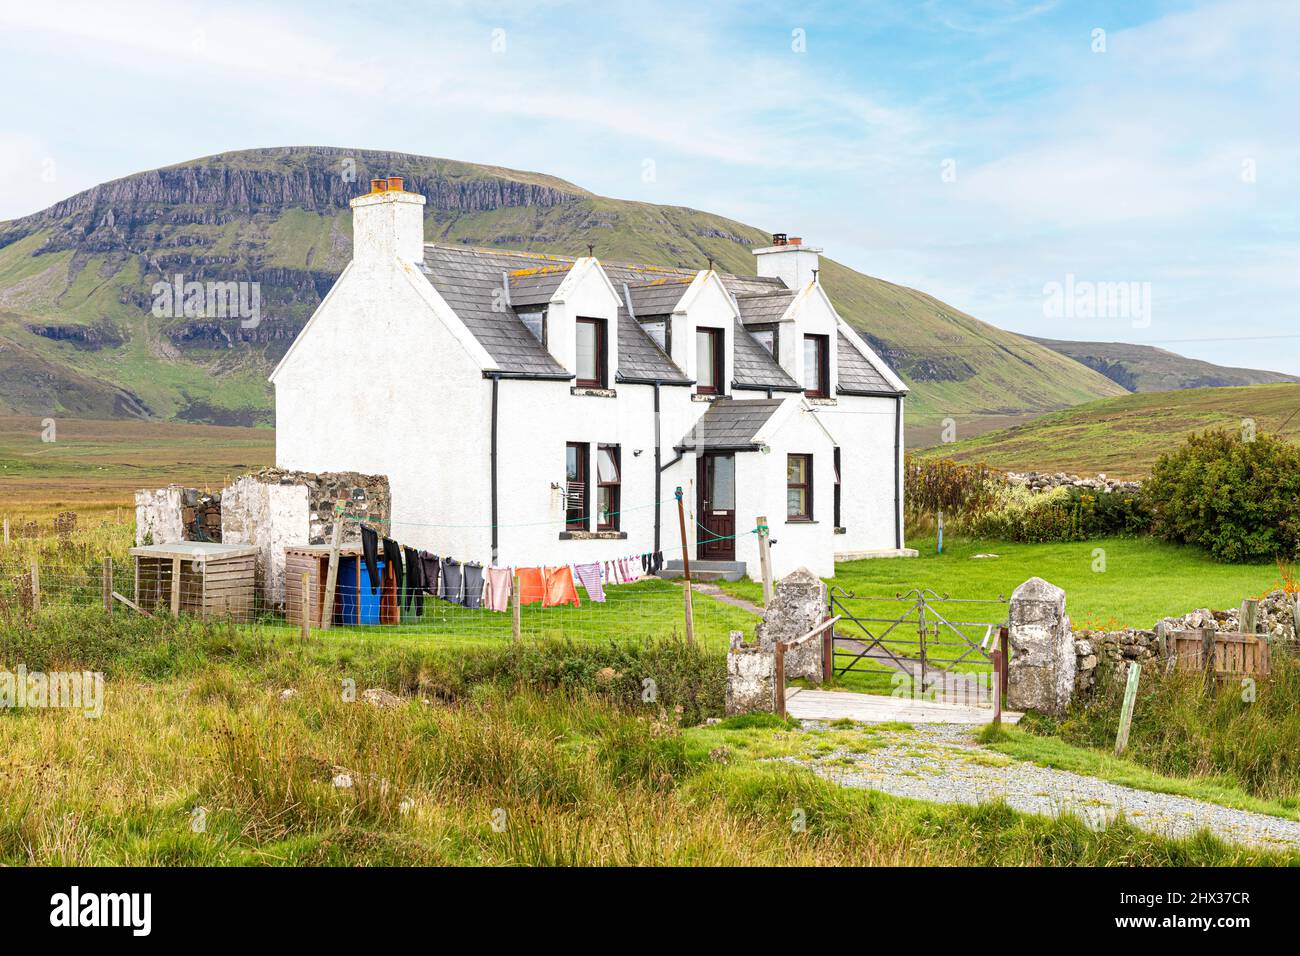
(609, 481)
(575, 486)
(660, 330)
(816, 366)
(709, 370)
(766, 335)
(798, 485)
(535, 321)
(592, 352)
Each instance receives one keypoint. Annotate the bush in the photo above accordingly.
(1063, 514)
(1237, 499)
(946, 486)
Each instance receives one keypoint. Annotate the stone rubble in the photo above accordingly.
(1040, 481)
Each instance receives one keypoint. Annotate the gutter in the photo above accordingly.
(765, 388)
(532, 376)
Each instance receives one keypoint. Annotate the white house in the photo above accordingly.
(540, 410)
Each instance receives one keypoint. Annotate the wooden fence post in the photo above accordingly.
(1126, 712)
(305, 614)
(1248, 619)
(36, 587)
(765, 558)
(332, 575)
(778, 678)
(828, 653)
(1207, 659)
(997, 687)
(516, 602)
(108, 583)
(6, 532)
(687, 594)
(176, 587)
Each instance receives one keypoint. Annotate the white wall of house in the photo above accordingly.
(864, 430)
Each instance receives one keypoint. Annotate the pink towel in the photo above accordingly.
(496, 589)
(590, 576)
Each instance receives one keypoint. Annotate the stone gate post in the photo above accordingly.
(1042, 659)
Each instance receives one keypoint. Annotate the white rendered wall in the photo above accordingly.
(864, 430)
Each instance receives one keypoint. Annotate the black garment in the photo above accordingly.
(472, 592)
(449, 588)
(414, 581)
(370, 553)
(430, 565)
(393, 558)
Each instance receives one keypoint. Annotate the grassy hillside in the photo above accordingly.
(1124, 436)
(77, 336)
(1143, 368)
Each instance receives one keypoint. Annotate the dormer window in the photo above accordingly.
(535, 321)
(660, 331)
(709, 368)
(593, 351)
(816, 366)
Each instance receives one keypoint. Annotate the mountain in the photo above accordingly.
(1122, 437)
(77, 336)
(1144, 368)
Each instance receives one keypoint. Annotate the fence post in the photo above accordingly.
(765, 558)
(1248, 619)
(305, 614)
(6, 532)
(108, 583)
(515, 602)
(1207, 659)
(36, 587)
(332, 575)
(1126, 713)
(687, 594)
(828, 652)
(778, 678)
(997, 686)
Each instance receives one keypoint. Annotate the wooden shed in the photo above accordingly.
(313, 561)
(197, 577)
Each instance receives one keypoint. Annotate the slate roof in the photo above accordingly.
(470, 280)
(857, 375)
(731, 424)
(764, 308)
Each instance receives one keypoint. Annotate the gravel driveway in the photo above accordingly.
(943, 763)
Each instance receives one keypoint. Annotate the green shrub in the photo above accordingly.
(1240, 500)
(1063, 514)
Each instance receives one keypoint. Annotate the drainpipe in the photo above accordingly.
(898, 472)
(658, 456)
(496, 386)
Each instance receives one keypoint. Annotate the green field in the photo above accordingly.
(1122, 437)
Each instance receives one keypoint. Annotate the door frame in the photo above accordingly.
(720, 550)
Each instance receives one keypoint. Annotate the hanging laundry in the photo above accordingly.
(393, 558)
(414, 581)
(370, 553)
(496, 590)
(450, 587)
(431, 565)
(560, 588)
(532, 587)
(590, 576)
(472, 588)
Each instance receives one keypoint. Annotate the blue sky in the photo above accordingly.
(976, 150)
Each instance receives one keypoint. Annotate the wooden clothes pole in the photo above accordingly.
(765, 558)
(686, 572)
(1126, 713)
(332, 575)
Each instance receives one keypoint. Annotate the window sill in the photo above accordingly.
(593, 391)
(821, 401)
(706, 397)
(801, 521)
(593, 535)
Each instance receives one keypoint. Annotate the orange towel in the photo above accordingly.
(531, 586)
(560, 588)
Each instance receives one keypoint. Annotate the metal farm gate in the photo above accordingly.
(925, 637)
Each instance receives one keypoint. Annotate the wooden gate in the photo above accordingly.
(1229, 653)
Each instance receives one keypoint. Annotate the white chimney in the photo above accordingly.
(789, 260)
(387, 224)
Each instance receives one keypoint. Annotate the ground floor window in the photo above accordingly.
(609, 481)
(799, 489)
(575, 486)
